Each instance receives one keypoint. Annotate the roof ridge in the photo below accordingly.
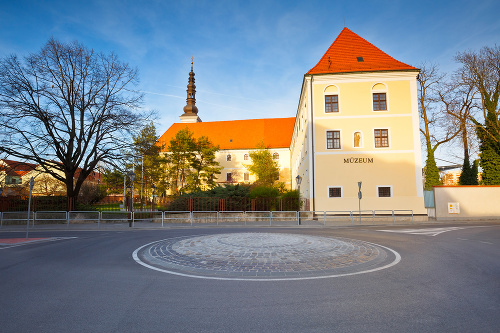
(226, 121)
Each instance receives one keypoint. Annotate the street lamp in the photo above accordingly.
(154, 191)
(298, 179)
(131, 175)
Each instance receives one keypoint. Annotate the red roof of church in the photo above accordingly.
(239, 134)
(351, 53)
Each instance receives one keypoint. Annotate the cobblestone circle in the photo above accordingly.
(264, 256)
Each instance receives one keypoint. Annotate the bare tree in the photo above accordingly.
(458, 101)
(434, 123)
(69, 105)
(482, 71)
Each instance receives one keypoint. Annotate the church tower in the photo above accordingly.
(190, 114)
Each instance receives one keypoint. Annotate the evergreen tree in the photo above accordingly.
(489, 159)
(431, 171)
(468, 175)
(180, 158)
(113, 181)
(150, 166)
(191, 163)
(205, 167)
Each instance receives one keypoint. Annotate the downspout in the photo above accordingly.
(313, 171)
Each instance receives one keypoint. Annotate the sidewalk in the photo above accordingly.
(145, 225)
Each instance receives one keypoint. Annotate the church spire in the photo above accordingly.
(190, 110)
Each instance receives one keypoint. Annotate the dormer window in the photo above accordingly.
(360, 59)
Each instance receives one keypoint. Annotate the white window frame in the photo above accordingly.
(388, 137)
(390, 186)
(328, 192)
(379, 91)
(337, 93)
(340, 137)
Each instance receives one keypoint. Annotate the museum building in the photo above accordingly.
(355, 130)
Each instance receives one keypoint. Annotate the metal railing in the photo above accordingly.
(206, 218)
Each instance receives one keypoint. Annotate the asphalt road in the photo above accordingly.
(449, 282)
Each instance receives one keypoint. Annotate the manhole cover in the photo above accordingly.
(264, 256)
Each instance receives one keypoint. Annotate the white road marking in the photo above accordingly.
(424, 232)
(53, 239)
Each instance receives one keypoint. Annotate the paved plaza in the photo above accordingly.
(264, 256)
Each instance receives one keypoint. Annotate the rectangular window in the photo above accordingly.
(246, 176)
(229, 177)
(384, 191)
(379, 102)
(333, 139)
(381, 138)
(335, 192)
(331, 103)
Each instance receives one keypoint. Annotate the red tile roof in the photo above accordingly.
(16, 168)
(239, 134)
(342, 57)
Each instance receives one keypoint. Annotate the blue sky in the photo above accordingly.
(249, 56)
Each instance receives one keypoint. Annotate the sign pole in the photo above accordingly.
(32, 182)
(360, 195)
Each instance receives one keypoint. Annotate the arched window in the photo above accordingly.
(228, 157)
(380, 98)
(276, 156)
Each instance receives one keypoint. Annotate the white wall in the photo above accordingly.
(474, 202)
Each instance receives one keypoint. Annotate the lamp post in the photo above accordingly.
(298, 179)
(131, 175)
(154, 193)
(32, 183)
(360, 196)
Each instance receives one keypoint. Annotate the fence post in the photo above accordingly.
(245, 216)
(271, 217)
(352, 218)
(412, 216)
(298, 217)
(162, 217)
(324, 218)
(373, 217)
(133, 219)
(191, 217)
(217, 217)
(1, 219)
(99, 217)
(393, 218)
(67, 218)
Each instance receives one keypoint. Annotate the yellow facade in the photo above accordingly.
(396, 167)
(237, 165)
